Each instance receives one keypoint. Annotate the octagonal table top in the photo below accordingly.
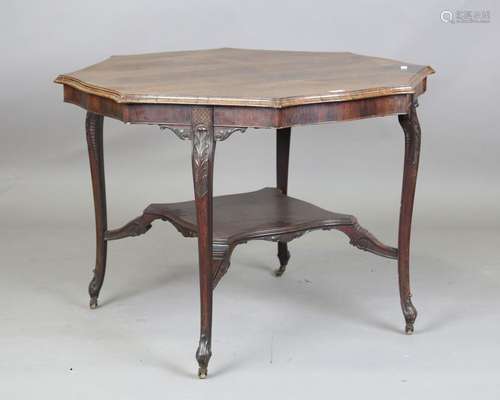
(244, 77)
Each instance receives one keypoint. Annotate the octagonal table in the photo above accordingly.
(205, 96)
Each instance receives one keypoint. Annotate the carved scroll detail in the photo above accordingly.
(182, 132)
(185, 132)
(223, 133)
(136, 227)
(142, 224)
(364, 240)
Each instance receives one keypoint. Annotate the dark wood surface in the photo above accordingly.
(272, 89)
(237, 116)
(94, 133)
(411, 128)
(283, 137)
(266, 214)
(243, 216)
(202, 162)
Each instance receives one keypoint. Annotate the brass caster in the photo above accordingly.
(93, 303)
(203, 355)
(410, 314)
(202, 372)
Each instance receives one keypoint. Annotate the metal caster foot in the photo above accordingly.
(202, 372)
(203, 355)
(410, 314)
(93, 303)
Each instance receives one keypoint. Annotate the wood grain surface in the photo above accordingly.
(243, 77)
(244, 216)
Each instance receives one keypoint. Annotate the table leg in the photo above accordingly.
(411, 128)
(282, 157)
(94, 129)
(202, 164)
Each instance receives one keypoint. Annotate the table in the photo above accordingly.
(205, 96)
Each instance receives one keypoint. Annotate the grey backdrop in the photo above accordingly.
(348, 299)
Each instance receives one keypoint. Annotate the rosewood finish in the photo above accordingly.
(267, 214)
(243, 77)
(205, 96)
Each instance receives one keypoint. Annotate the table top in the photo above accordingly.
(243, 77)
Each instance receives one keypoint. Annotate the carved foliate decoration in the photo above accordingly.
(364, 240)
(182, 132)
(201, 148)
(220, 133)
(136, 227)
(203, 142)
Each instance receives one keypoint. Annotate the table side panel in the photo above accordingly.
(95, 104)
(241, 116)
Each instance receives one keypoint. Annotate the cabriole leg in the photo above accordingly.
(282, 157)
(411, 128)
(202, 163)
(94, 130)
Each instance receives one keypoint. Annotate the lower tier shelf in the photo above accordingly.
(266, 214)
(262, 214)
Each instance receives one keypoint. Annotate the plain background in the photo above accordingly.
(331, 326)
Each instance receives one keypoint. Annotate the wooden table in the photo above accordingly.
(205, 96)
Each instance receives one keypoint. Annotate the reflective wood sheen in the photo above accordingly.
(203, 96)
(244, 77)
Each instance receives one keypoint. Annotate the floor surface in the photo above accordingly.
(331, 323)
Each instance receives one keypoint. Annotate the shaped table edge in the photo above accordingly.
(384, 104)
